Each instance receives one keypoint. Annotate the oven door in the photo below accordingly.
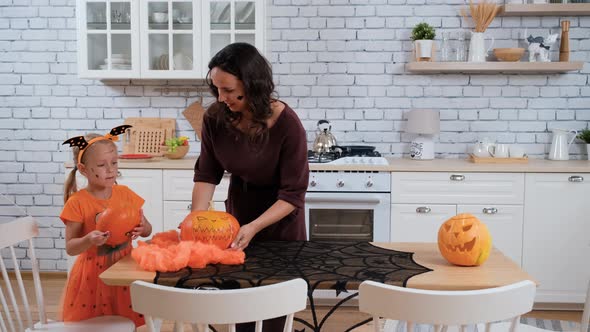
(331, 216)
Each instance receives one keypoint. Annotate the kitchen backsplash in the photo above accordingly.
(341, 60)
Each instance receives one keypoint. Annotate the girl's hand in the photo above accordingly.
(143, 229)
(245, 235)
(98, 238)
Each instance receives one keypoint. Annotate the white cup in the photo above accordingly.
(500, 151)
(516, 151)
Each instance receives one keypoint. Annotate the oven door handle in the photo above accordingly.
(373, 200)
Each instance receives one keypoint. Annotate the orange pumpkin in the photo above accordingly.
(212, 227)
(120, 222)
(464, 240)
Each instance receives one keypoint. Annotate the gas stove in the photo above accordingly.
(342, 157)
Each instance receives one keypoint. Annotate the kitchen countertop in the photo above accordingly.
(399, 165)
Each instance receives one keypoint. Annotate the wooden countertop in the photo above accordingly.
(497, 271)
(399, 165)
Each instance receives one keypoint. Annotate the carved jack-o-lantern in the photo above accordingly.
(213, 227)
(120, 222)
(464, 240)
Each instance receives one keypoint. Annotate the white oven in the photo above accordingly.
(348, 206)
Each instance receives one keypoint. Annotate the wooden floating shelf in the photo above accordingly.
(549, 9)
(494, 67)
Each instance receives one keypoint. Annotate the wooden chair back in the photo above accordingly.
(202, 307)
(447, 308)
(11, 234)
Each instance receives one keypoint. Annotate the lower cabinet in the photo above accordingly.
(147, 183)
(422, 201)
(178, 191)
(556, 245)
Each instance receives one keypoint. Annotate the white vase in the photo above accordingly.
(477, 48)
(423, 48)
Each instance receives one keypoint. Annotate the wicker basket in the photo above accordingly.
(180, 152)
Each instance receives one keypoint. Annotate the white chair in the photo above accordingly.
(25, 229)
(201, 307)
(443, 309)
(583, 323)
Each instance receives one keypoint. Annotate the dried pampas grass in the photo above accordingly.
(482, 14)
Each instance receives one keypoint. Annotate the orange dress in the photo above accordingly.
(85, 295)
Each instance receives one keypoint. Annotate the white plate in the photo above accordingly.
(247, 14)
(220, 13)
(120, 56)
(119, 61)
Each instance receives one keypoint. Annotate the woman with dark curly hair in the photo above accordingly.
(260, 141)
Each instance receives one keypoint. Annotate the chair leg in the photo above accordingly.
(514, 323)
(376, 323)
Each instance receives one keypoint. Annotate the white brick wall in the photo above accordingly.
(342, 60)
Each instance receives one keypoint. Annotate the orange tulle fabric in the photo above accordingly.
(166, 253)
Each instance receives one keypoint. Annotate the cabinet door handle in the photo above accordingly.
(575, 178)
(423, 209)
(457, 177)
(490, 210)
(189, 207)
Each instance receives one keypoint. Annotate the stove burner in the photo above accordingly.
(327, 157)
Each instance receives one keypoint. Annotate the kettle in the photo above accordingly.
(559, 144)
(324, 139)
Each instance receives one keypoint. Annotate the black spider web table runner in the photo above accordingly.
(340, 266)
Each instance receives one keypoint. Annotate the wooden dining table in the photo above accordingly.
(336, 266)
(498, 270)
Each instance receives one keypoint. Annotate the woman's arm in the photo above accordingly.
(202, 195)
(279, 210)
(76, 245)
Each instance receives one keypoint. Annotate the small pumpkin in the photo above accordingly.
(212, 227)
(464, 240)
(120, 222)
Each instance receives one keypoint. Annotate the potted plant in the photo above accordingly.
(584, 135)
(423, 35)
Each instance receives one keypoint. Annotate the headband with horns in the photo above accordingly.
(81, 143)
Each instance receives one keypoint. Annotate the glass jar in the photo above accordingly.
(445, 48)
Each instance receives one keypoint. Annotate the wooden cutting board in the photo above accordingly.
(147, 134)
(194, 114)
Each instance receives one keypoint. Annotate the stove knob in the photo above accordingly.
(340, 184)
(313, 183)
(369, 183)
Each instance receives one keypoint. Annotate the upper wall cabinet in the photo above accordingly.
(162, 39)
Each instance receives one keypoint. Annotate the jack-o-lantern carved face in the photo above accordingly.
(119, 221)
(213, 227)
(464, 240)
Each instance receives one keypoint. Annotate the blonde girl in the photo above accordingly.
(85, 295)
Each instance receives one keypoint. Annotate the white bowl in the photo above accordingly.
(160, 17)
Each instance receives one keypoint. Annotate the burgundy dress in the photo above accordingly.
(259, 177)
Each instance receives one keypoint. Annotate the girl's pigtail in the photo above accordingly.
(70, 185)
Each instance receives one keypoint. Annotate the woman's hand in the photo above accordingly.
(143, 229)
(244, 237)
(97, 238)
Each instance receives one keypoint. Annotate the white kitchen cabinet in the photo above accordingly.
(162, 39)
(422, 201)
(147, 183)
(108, 38)
(178, 191)
(556, 247)
(504, 223)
